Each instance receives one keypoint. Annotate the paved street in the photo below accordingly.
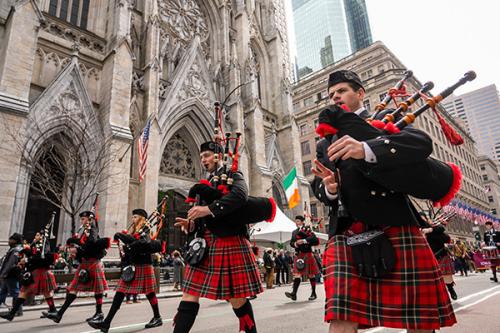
(477, 297)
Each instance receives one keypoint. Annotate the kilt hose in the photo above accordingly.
(413, 296)
(311, 266)
(228, 270)
(144, 281)
(97, 282)
(446, 265)
(43, 283)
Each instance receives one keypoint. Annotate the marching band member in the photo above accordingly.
(88, 249)
(492, 238)
(356, 295)
(141, 278)
(438, 239)
(303, 238)
(228, 270)
(41, 280)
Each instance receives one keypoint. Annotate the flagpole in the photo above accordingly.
(135, 138)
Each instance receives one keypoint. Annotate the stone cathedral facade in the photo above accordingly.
(98, 70)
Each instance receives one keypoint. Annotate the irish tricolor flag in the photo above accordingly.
(292, 188)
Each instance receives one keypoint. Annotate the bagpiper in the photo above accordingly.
(36, 277)
(365, 288)
(138, 275)
(438, 240)
(304, 265)
(228, 269)
(88, 249)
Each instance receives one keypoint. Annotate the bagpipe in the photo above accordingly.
(256, 209)
(151, 227)
(37, 254)
(87, 237)
(429, 179)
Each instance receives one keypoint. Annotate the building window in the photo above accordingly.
(306, 166)
(303, 129)
(366, 104)
(485, 177)
(306, 149)
(296, 107)
(309, 101)
(74, 11)
(490, 199)
(381, 96)
(494, 211)
(314, 210)
(482, 167)
(316, 123)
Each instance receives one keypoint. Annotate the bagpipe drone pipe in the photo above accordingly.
(423, 178)
(256, 209)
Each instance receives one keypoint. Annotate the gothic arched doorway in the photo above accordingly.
(46, 186)
(176, 207)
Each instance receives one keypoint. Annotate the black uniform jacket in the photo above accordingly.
(35, 259)
(138, 250)
(365, 200)
(492, 236)
(226, 220)
(93, 247)
(304, 233)
(437, 240)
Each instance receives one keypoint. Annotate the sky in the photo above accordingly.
(439, 40)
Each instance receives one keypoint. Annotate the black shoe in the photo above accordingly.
(453, 293)
(54, 316)
(99, 325)
(19, 313)
(44, 314)
(291, 295)
(98, 316)
(155, 322)
(494, 279)
(7, 316)
(313, 297)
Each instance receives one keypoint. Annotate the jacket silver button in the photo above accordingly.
(393, 150)
(373, 192)
(386, 141)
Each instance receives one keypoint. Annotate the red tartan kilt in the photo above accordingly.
(97, 282)
(228, 270)
(413, 296)
(311, 266)
(144, 281)
(446, 265)
(43, 282)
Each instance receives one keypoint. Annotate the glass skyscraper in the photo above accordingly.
(327, 31)
(480, 110)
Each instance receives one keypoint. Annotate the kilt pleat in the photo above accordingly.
(413, 296)
(97, 282)
(446, 265)
(228, 270)
(43, 282)
(144, 281)
(311, 266)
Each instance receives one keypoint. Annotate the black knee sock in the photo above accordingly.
(98, 303)
(296, 284)
(16, 305)
(245, 315)
(67, 302)
(115, 306)
(185, 317)
(50, 303)
(153, 301)
(494, 271)
(313, 285)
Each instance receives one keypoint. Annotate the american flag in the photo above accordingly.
(143, 151)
